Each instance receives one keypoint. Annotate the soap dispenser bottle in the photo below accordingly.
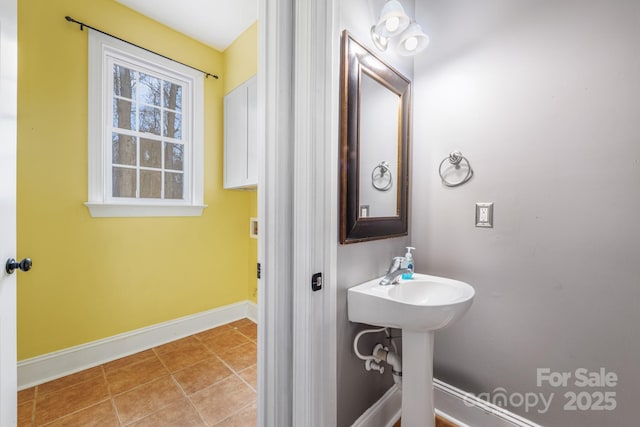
(408, 263)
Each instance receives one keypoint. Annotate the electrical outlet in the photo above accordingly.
(484, 215)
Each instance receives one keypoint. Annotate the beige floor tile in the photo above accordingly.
(182, 353)
(241, 357)
(26, 395)
(128, 360)
(148, 388)
(69, 380)
(131, 376)
(51, 406)
(202, 375)
(223, 399)
(25, 414)
(240, 323)
(246, 417)
(225, 341)
(210, 333)
(440, 422)
(180, 414)
(146, 399)
(250, 375)
(100, 415)
(250, 331)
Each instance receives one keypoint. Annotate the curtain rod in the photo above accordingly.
(82, 25)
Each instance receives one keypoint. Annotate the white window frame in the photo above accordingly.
(102, 51)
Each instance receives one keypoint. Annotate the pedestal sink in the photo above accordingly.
(419, 306)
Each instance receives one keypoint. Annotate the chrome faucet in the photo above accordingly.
(394, 272)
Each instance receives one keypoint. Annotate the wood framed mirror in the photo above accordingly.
(375, 110)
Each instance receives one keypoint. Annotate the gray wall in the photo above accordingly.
(544, 99)
(359, 262)
(357, 388)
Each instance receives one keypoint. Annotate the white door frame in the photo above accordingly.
(275, 145)
(8, 109)
(297, 210)
(315, 219)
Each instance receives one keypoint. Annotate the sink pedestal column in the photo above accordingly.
(417, 379)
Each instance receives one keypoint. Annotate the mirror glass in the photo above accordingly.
(374, 146)
(378, 152)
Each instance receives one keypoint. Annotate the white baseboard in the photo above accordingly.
(385, 412)
(47, 367)
(472, 411)
(462, 409)
(252, 311)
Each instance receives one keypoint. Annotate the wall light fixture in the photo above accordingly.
(412, 40)
(395, 22)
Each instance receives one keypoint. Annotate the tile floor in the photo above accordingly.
(440, 422)
(207, 379)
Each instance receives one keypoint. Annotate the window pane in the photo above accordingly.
(150, 120)
(123, 149)
(173, 124)
(173, 183)
(149, 90)
(124, 82)
(172, 96)
(174, 156)
(123, 182)
(150, 184)
(150, 153)
(124, 114)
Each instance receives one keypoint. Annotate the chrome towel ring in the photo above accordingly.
(455, 158)
(378, 177)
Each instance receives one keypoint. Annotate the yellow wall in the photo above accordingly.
(240, 64)
(241, 59)
(97, 277)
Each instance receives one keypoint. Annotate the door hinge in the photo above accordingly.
(259, 271)
(316, 282)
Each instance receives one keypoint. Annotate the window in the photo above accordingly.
(145, 133)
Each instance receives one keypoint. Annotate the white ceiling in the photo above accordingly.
(216, 23)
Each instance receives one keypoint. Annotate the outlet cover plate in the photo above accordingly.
(484, 215)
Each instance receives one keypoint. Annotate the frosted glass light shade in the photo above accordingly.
(393, 20)
(412, 40)
(379, 41)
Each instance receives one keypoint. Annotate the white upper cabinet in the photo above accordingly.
(240, 137)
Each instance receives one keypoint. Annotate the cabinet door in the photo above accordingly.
(235, 138)
(252, 132)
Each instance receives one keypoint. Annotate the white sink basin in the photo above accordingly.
(419, 307)
(423, 303)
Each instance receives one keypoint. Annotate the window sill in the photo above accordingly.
(103, 210)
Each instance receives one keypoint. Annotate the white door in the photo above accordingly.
(8, 79)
